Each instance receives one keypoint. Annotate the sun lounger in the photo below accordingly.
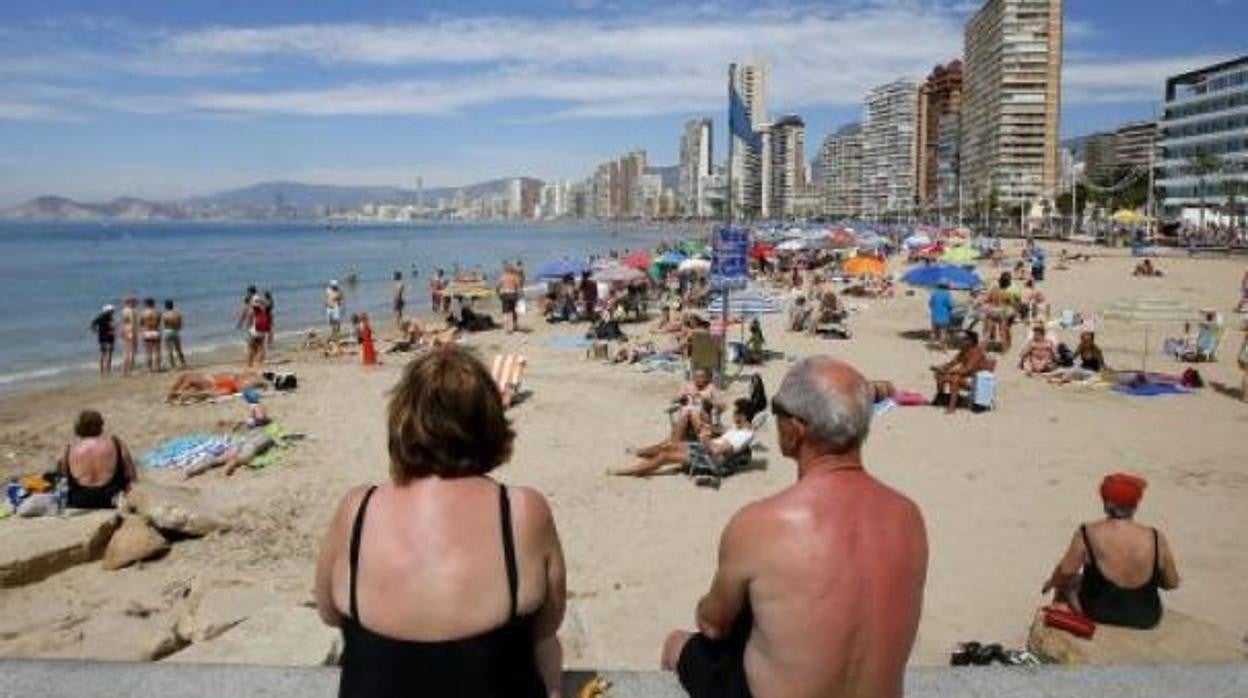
(508, 373)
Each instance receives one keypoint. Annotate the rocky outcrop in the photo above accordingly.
(135, 541)
(1179, 638)
(177, 510)
(37, 548)
(276, 636)
(217, 609)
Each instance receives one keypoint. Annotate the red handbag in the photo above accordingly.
(1076, 624)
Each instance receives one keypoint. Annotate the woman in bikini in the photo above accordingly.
(129, 335)
(1040, 354)
(149, 323)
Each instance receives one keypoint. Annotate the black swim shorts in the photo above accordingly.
(509, 301)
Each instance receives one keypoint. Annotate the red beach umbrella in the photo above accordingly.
(638, 260)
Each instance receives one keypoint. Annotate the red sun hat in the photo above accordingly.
(1123, 489)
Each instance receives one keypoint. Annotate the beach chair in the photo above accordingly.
(1205, 348)
(508, 373)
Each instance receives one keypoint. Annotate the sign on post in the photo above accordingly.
(730, 259)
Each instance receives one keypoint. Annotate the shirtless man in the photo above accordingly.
(695, 406)
(129, 335)
(819, 588)
(956, 374)
(509, 295)
(333, 308)
(437, 287)
(399, 301)
(149, 323)
(172, 320)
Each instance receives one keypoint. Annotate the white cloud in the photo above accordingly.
(1092, 80)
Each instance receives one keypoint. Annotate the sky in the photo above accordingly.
(165, 99)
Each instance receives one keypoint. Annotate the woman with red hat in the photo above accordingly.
(1113, 568)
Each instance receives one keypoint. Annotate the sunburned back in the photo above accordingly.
(432, 565)
(840, 589)
(1124, 551)
(93, 461)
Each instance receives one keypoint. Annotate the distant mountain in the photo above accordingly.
(59, 208)
(264, 201)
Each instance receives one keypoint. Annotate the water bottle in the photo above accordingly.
(14, 492)
(62, 494)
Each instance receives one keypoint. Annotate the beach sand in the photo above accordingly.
(1002, 492)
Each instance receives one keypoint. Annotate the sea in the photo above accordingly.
(55, 277)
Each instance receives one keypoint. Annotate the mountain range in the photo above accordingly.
(264, 201)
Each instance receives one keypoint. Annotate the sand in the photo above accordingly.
(1001, 491)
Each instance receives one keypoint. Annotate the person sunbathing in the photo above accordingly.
(632, 352)
(1113, 569)
(1039, 355)
(707, 453)
(956, 374)
(241, 453)
(1146, 268)
(695, 406)
(195, 387)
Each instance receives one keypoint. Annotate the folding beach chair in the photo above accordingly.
(508, 373)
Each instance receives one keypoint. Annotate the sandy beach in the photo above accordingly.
(1001, 491)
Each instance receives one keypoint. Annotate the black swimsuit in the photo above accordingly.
(101, 496)
(1105, 602)
(495, 664)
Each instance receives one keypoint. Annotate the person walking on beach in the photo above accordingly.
(399, 302)
(129, 335)
(509, 295)
(172, 320)
(149, 324)
(819, 588)
(437, 291)
(333, 308)
(261, 326)
(105, 335)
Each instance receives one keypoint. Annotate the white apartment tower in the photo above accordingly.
(1012, 100)
(840, 166)
(750, 81)
(888, 150)
(695, 167)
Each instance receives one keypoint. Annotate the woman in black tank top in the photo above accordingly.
(446, 423)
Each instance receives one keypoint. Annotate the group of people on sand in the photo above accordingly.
(159, 332)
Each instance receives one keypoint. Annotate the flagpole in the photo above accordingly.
(732, 140)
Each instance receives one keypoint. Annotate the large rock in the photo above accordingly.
(219, 609)
(276, 636)
(115, 636)
(135, 541)
(1178, 638)
(174, 509)
(35, 549)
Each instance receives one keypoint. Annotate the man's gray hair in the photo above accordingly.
(836, 415)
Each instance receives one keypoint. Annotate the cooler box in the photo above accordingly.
(985, 389)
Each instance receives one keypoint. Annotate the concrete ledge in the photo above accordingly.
(22, 678)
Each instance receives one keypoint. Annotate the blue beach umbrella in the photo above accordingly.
(671, 258)
(936, 274)
(562, 268)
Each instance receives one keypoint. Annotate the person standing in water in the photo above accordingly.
(333, 308)
(509, 294)
(399, 302)
(172, 320)
(149, 323)
(102, 325)
(268, 303)
(129, 335)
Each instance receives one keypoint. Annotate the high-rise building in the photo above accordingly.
(786, 156)
(1205, 117)
(1136, 141)
(948, 162)
(617, 187)
(1100, 158)
(939, 96)
(695, 166)
(746, 167)
(1011, 100)
(888, 149)
(840, 166)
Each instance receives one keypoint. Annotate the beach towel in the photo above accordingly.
(1150, 389)
(885, 405)
(670, 363)
(909, 399)
(568, 342)
(185, 451)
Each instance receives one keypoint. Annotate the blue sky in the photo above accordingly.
(171, 98)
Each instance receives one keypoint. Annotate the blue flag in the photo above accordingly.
(739, 120)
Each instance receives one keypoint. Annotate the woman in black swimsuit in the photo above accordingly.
(445, 582)
(85, 465)
(1114, 568)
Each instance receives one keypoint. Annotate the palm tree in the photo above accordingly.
(1201, 166)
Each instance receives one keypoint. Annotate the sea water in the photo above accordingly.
(55, 277)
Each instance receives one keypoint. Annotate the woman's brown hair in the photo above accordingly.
(90, 423)
(446, 418)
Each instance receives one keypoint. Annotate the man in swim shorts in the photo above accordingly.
(172, 320)
(103, 327)
(509, 294)
(149, 325)
(333, 308)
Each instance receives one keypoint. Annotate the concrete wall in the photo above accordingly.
(21, 678)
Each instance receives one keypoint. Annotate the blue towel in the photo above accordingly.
(1150, 389)
(567, 342)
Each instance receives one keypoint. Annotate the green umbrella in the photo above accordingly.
(962, 254)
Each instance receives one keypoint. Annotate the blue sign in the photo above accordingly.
(730, 259)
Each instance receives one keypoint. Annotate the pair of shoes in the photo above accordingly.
(973, 653)
(707, 481)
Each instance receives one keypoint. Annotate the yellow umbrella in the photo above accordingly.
(961, 254)
(1128, 217)
(864, 266)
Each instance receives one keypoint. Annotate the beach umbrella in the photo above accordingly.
(745, 303)
(796, 245)
(695, 264)
(930, 276)
(762, 251)
(917, 240)
(618, 273)
(671, 258)
(562, 268)
(639, 260)
(1128, 217)
(840, 239)
(864, 266)
(469, 290)
(962, 254)
(1147, 313)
